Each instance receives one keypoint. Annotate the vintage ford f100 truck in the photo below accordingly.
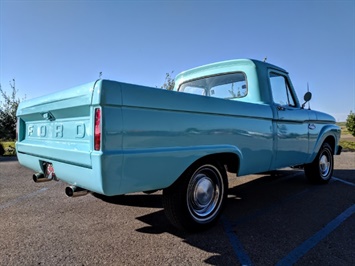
(113, 138)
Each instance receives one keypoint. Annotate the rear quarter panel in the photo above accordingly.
(164, 132)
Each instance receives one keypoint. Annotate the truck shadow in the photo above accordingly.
(243, 200)
(274, 212)
(237, 195)
(346, 174)
(133, 200)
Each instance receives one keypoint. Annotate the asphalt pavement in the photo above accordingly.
(269, 220)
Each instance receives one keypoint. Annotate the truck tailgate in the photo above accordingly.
(58, 126)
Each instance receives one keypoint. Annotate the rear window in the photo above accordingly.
(227, 86)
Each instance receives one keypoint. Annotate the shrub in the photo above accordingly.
(8, 107)
(350, 123)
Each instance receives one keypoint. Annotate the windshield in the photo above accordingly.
(226, 86)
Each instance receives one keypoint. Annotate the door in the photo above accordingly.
(290, 124)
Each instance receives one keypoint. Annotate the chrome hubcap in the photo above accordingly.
(205, 192)
(324, 165)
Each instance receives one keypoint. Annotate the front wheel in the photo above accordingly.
(320, 170)
(196, 200)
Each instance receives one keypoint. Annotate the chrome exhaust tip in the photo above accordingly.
(39, 177)
(73, 191)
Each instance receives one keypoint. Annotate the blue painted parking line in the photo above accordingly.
(299, 251)
(343, 181)
(236, 244)
(311, 242)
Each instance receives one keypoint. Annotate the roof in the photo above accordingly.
(222, 67)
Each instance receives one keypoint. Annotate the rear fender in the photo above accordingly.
(172, 163)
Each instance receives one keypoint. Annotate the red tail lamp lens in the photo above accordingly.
(97, 130)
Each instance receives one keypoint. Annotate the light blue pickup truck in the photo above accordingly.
(113, 138)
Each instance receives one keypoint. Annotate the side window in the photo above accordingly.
(281, 90)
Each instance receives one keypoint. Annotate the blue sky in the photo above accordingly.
(48, 46)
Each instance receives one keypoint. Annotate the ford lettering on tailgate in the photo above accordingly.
(57, 130)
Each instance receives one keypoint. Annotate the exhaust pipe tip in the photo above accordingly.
(73, 191)
(39, 177)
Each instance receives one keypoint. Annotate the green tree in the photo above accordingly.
(350, 123)
(8, 108)
(169, 82)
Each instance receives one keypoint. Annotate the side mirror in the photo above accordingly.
(307, 97)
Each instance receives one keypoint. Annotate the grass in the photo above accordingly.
(9, 147)
(347, 145)
(347, 141)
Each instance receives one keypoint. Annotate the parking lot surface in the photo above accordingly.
(277, 219)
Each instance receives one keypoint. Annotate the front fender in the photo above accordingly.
(329, 133)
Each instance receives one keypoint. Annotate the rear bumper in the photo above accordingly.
(90, 178)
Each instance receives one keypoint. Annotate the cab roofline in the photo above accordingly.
(223, 67)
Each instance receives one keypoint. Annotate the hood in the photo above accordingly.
(324, 117)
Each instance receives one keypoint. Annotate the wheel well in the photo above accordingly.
(331, 141)
(229, 160)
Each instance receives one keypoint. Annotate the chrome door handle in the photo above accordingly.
(311, 126)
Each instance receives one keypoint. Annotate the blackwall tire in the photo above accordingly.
(321, 169)
(196, 200)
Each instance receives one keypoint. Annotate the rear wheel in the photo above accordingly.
(320, 170)
(196, 200)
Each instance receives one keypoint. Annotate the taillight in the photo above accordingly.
(97, 130)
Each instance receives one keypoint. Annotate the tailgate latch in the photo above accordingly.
(48, 116)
